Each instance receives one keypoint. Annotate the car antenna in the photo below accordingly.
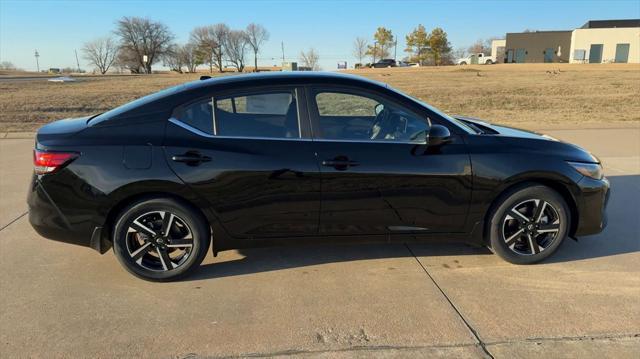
(205, 77)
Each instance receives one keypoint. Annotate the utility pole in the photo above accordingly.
(77, 62)
(375, 46)
(37, 62)
(282, 44)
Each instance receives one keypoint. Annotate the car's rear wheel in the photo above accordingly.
(463, 63)
(160, 239)
(529, 224)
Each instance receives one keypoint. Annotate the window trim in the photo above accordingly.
(314, 113)
(198, 132)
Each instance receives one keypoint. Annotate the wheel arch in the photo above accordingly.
(563, 189)
(126, 200)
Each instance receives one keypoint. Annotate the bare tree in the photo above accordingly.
(141, 37)
(101, 53)
(206, 44)
(310, 59)
(480, 46)
(128, 60)
(6, 65)
(209, 41)
(173, 58)
(220, 34)
(235, 48)
(189, 57)
(360, 48)
(180, 56)
(256, 36)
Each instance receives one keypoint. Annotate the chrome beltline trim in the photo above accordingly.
(198, 132)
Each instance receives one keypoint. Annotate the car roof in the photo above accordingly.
(293, 77)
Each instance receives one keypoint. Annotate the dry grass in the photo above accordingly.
(527, 95)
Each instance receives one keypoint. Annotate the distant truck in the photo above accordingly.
(478, 58)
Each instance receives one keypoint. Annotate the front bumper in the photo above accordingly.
(50, 222)
(592, 205)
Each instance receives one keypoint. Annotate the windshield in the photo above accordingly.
(461, 124)
(133, 104)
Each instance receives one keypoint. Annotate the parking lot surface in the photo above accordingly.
(392, 300)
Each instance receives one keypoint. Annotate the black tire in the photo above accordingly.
(463, 63)
(489, 62)
(149, 256)
(519, 241)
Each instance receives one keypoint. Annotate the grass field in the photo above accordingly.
(532, 96)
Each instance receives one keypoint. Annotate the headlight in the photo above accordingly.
(591, 170)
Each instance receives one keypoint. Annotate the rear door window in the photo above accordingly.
(267, 114)
(264, 114)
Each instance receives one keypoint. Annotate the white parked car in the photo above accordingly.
(481, 58)
(408, 64)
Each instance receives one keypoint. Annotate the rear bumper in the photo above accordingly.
(592, 206)
(50, 222)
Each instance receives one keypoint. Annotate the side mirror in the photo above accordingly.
(438, 135)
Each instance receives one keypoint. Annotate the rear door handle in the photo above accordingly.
(191, 158)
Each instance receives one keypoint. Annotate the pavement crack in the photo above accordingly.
(455, 308)
(568, 339)
(297, 352)
(15, 220)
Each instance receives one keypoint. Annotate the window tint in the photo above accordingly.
(343, 104)
(354, 116)
(267, 104)
(198, 115)
(266, 114)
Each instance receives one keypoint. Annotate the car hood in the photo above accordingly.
(493, 129)
(515, 135)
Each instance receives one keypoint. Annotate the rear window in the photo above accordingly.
(134, 104)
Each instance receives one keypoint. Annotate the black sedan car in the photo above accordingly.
(265, 159)
(384, 63)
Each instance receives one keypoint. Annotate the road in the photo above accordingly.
(47, 77)
(330, 301)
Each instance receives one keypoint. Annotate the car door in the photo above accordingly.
(378, 176)
(248, 153)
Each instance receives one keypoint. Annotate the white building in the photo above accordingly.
(606, 41)
(497, 49)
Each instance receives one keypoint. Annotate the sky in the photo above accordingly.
(58, 28)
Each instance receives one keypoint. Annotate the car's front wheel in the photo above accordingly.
(160, 239)
(529, 224)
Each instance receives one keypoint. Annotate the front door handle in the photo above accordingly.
(191, 158)
(340, 163)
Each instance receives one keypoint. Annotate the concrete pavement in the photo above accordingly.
(330, 301)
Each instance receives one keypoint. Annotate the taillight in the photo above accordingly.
(49, 162)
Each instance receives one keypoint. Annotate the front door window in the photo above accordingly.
(355, 116)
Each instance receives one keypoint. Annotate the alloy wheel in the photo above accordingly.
(530, 227)
(159, 241)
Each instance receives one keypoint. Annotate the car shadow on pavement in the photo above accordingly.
(621, 236)
(258, 260)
